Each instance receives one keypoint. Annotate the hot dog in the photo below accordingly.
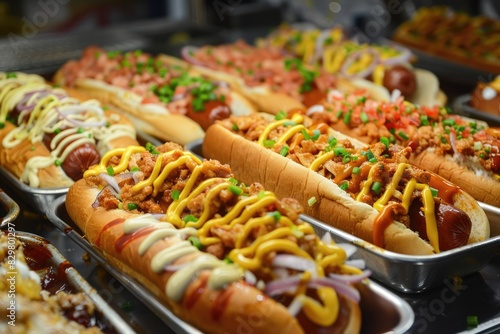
(161, 94)
(371, 192)
(271, 80)
(388, 66)
(48, 137)
(462, 150)
(215, 250)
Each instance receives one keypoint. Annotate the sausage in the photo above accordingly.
(454, 225)
(79, 160)
(402, 78)
(214, 110)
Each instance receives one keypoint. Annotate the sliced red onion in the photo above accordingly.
(339, 286)
(250, 278)
(110, 181)
(355, 56)
(349, 249)
(351, 278)
(124, 176)
(96, 202)
(282, 285)
(315, 109)
(293, 262)
(357, 263)
(334, 94)
(453, 141)
(403, 58)
(186, 52)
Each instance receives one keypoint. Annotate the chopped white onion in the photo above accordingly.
(349, 248)
(111, 181)
(315, 109)
(357, 263)
(293, 262)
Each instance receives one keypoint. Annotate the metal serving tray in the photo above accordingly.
(9, 210)
(40, 199)
(377, 302)
(407, 273)
(78, 283)
(461, 105)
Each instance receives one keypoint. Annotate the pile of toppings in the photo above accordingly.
(458, 33)
(419, 127)
(153, 79)
(42, 300)
(262, 66)
(240, 227)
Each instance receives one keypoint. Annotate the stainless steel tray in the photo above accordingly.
(78, 282)
(461, 105)
(411, 274)
(377, 302)
(9, 210)
(40, 199)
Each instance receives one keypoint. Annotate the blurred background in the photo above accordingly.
(40, 35)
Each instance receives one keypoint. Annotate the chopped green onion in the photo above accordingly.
(340, 151)
(434, 192)
(347, 117)
(364, 117)
(316, 134)
(305, 134)
(424, 120)
(449, 122)
(175, 194)
(57, 162)
(232, 180)
(385, 141)
(403, 135)
(235, 189)
(9, 75)
(370, 155)
(131, 206)
(110, 171)
(195, 241)
(275, 214)
(311, 201)
(280, 115)
(344, 186)
(235, 127)
(189, 218)
(289, 123)
(79, 130)
(135, 169)
(356, 170)
(228, 260)
(332, 141)
(57, 131)
(269, 143)
(151, 148)
(377, 187)
(261, 194)
(284, 150)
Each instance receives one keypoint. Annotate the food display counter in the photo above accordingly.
(454, 291)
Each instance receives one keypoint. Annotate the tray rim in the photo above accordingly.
(79, 282)
(462, 107)
(406, 313)
(13, 210)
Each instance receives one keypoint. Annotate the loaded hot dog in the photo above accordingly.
(388, 66)
(462, 150)
(160, 94)
(271, 80)
(371, 192)
(49, 138)
(213, 249)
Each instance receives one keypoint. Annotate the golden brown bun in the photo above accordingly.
(155, 120)
(245, 303)
(252, 163)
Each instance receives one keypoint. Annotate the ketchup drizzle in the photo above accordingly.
(125, 239)
(107, 227)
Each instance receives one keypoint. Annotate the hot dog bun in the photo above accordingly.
(121, 235)
(331, 204)
(80, 131)
(165, 121)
